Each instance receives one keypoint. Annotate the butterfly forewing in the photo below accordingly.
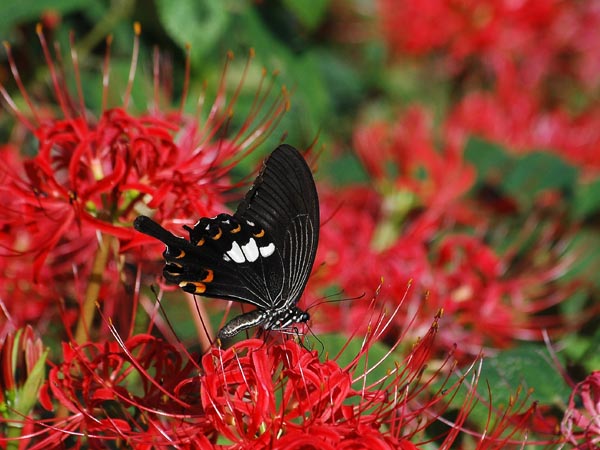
(283, 191)
(262, 255)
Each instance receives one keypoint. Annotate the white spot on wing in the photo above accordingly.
(226, 258)
(250, 223)
(250, 250)
(236, 253)
(267, 250)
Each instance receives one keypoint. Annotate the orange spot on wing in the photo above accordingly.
(199, 288)
(260, 234)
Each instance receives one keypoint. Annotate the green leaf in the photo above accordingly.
(197, 23)
(537, 172)
(587, 200)
(490, 159)
(309, 13)
(28, 394)
(528, 366)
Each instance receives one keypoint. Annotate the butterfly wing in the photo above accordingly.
(202, 265)
(261, 255)
(284, 201)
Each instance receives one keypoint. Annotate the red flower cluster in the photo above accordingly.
(147, 393)
(536, 55)
(419, 228)
(545, 39)
(65, 209)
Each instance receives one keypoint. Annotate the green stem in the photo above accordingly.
(88, 308)
(117, 11)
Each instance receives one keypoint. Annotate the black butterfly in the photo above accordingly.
(262, 254)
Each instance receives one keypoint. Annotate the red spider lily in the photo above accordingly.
(547, 39)
(67, 210)
(419, 227)
(538, 56)
(518, 121)
(424, 177)
(94, 173)
(581, 422)
(145, 392)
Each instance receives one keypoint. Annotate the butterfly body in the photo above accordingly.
(262, 254)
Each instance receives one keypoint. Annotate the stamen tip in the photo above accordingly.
(230, 54)
(137, 28)
(39, 28)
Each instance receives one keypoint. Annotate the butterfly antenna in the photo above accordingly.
(327, 299)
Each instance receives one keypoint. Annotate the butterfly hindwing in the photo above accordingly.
(219, 260)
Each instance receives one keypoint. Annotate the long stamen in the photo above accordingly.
(156, 79)
(106, 73)
(77, 73)
(137, 29)
(9, 101)
(60, 95)
(22, 90)
(186, 79)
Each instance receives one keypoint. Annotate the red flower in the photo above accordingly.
(420, 228)
(67, 210)
(519, 64)
(93, 174)
(146, 392)
(581, 422)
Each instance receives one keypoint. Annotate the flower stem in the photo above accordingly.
(117, 11)
(93, 289)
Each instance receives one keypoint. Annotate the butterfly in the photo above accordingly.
(263, 254)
